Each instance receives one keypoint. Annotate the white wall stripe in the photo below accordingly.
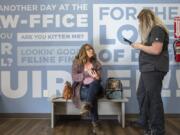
(118, 73)
(178, 93)
(127, 93)
(125, 83)
(166, 93)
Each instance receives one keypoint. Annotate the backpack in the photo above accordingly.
(114, 88)
(67, 91)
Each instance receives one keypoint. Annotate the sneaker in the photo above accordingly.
(94, 124)
(137, 124)
(147, 132)
(97, 130)
(85, 109)
(157, 132)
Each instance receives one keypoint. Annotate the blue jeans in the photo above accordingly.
(89, 93)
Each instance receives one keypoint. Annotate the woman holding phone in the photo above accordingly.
(86, 74)
(153, 65)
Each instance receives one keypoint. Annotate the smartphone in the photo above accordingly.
(93, 69)
(128, 41)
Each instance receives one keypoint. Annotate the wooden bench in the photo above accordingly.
(60, 104)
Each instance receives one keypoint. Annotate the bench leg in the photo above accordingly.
(123, 114)
(119, 114)
(52, 115)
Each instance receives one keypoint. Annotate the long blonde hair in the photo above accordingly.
(147, 20)
(82, 56)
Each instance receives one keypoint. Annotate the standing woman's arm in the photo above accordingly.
(156, 39)
(154, 49)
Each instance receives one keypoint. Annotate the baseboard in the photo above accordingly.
(177, 115)
(48, 115)
(25, 115)
(174, 115)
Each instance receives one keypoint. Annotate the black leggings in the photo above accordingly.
(150, 101)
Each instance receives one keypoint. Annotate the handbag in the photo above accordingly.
(67, 91)
(114, 88)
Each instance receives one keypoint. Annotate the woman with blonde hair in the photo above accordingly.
(86, 75)
(153, 65)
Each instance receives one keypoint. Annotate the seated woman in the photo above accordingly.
(86, 75)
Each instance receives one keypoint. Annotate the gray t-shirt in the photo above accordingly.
(148, 62)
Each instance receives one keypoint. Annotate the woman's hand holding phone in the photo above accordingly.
(137, 46)
(93, 73)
